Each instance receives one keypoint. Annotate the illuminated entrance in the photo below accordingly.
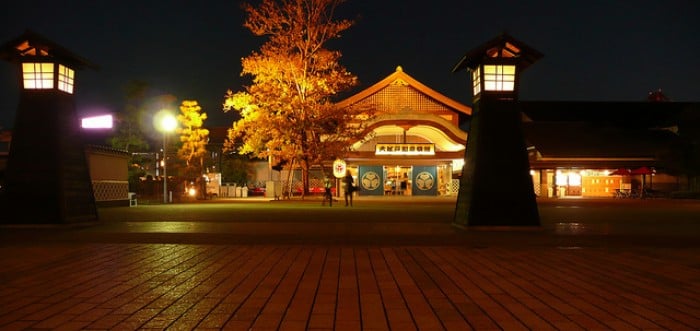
(401, 180)
(398, 180)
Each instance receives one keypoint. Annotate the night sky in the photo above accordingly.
(596, 50)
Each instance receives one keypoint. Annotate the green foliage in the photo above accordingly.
(235, 169)
(136, 171)
(129, 134)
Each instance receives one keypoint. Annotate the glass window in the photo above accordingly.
(499, 77)
(476, 80)
(574, 179)
(66, 77)
(37, 75)
(561, 180)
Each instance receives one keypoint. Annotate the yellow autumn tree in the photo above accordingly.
(288, 111)
(193, 136)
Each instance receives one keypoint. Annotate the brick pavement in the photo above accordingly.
(104, 284)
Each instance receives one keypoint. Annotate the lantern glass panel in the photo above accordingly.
(66, 78)
(37, 75)
(498, 77)
(476, 81)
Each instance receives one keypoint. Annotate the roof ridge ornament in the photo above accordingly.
(399, 82)
(399, 68)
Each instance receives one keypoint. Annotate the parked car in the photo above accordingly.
(256, 191)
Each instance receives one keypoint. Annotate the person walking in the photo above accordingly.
(349, 188)
(327, 194)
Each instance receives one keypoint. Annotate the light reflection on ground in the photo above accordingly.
(167, 227)
(569, 228)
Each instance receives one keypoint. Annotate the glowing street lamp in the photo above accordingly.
(165, 122)
(495, 67)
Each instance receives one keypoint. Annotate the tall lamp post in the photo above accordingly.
(165, 122)
(46, 125)
(496, 188)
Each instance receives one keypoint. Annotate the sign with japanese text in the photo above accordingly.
(405, 149)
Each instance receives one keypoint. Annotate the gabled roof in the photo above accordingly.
(32, 44)
(402, 78)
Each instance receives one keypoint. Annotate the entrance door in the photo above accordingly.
(397, 180)
(568, 183)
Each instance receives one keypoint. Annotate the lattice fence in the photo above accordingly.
(453, 187)
(108, 190)
(538, 189)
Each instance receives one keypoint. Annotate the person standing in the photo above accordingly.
(349, 189)
(327, 194)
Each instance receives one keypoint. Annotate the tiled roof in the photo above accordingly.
(106, 149)
(618, 114)
(565, 129)
(579, 140)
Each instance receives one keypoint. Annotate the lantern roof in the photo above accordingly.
(503, 46)
(32, 44)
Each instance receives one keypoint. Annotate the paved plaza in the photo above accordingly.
(383, 264)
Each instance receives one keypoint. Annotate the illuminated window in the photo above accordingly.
(37, 75)
(561, 180)
(65, 79)
(476, 80)
(499, 77)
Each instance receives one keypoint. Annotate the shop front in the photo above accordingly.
(390, 180)
(414, 147)
(572, 182)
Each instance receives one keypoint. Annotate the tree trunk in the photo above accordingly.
(304, 177)
(290, 178)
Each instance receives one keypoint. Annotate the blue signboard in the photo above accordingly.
(371, 180)
(424, 180)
